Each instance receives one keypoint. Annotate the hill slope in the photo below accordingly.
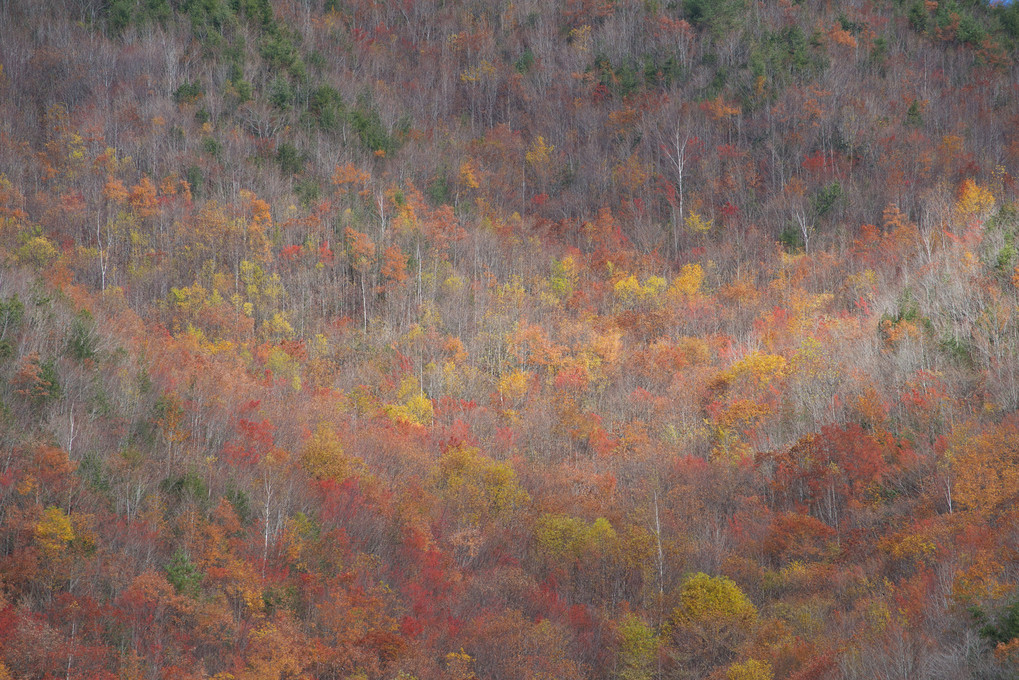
(508, 340)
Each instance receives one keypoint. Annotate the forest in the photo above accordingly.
(509, 340)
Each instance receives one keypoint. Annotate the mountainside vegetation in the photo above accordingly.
(420, 339)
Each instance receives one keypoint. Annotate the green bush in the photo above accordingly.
(525, 62)
(182, 574)
(369, 128)
(188, 92)
(828, 198)
(281, 95)
(259, 11)
(290, 160)
(12, 311)
(326, 106)
(308, 191)
(82, 342)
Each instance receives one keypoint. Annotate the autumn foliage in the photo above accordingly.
(483, 341)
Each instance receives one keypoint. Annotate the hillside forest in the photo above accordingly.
(492, 340)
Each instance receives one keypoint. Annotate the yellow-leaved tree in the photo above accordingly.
(479, 489)
(751, 669)
(564, 538)
(697, 224)
(712, 618)
(974, 201)
(324, 458)
(638, 649)
(689, 281)
(985, 468)
(54, 530)
(414, 405)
